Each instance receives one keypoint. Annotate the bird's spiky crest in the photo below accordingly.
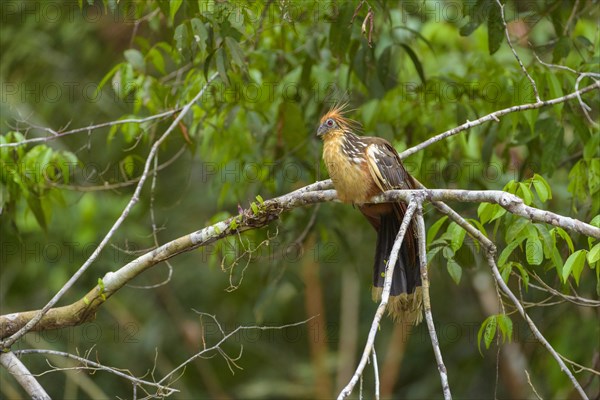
(336, 112)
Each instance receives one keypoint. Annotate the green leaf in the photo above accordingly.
(454, 270)
(508, 251)
(533, 250)
(561, 49)
(173, 8)
(157, 59)
(565, 237)
(505, 271)
(515, 228)
(506, 327)
(523, 272)
(487, 330)
(457, 236)
(237, 56)
(495, 28)
(596, 221)
(594, 175)
(221, 58)
(254, 208)
(434, 229)
(128, 165)
(35, 205)
(526, 194)
(594, 254)
(415, 59)
(547, 240)
(574, 264)
(488, 212)
(542, 188)
(490, 331)
(260, 199)
(136, 59)
(555, 90)
(557, 261)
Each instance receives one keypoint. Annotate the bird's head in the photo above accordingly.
(334, 122)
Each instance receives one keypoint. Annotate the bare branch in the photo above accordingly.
(217, 346)
(22, 375)
(134, 199)
(83, 310)
(538, 335)
(427, 303)
(55, 134)
(387, 285)
(495, 116)
(375, 373)
(92, 365)
(533, 85)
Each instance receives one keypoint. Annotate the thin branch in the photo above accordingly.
(375, 373)
(495, 117)
(85, 308)
(387, 285)
(22, 375)
(217, 346)
(580, 301)
(538, 335)
(571, 17)
(532, 387)
(134, 199)
(533, 85)
(427, 303)
(56, 134)
(161, 390)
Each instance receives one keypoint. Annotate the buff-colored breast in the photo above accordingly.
(350, 179)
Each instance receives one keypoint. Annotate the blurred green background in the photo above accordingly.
(430, 66)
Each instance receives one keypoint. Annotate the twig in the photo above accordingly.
(427, 302)
(538, 335)
(532, 387)
(134, 199)
(533, 85)
(375, 373)
(580, 301)
(92, 365)
(584, 106)
(494, 116)
(22, 375)
(56, 135)
(570, 19)
(217, 346)
(387, 285)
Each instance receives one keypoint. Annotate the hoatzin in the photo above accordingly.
(360, 168)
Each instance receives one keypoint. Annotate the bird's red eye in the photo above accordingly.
(329, 122)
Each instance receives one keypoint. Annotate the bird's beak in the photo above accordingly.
(321, 131)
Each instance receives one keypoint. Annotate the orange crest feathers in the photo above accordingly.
(336, 112)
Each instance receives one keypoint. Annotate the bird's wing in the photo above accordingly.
(386, 167)
(388, 173)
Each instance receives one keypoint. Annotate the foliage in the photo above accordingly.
(426, 67)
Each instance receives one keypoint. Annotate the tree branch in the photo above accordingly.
(538, 335)
(161, 390)
(22, 375)
(422, 235)
(57, 134)
(84, 309)
(495, 117)
(134, 199)
(385, 295)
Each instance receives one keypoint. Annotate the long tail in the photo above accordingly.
(406, 300)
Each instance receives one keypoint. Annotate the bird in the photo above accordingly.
(361, 167)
